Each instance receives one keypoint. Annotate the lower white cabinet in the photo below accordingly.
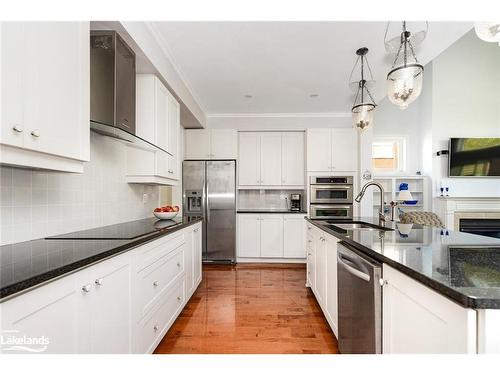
(121, 305)
(271, 236)
(416, 319)
(322, 272)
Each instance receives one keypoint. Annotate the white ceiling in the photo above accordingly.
(282, 63)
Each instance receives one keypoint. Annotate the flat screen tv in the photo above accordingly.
(474, 157)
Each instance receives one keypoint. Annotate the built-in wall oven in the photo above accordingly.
(331, 197)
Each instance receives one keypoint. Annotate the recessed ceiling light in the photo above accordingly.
(248, 96)
(314, 95)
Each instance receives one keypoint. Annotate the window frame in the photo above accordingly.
(402, 141)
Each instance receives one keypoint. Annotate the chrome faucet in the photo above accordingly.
(381, 215)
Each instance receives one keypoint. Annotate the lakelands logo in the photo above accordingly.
(14, 341)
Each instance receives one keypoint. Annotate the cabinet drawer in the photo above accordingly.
(155, 279)
(153, 328)
(150, 253)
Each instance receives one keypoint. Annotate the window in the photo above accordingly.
(389, 154)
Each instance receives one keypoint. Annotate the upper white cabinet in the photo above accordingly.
(205, 144)
(45, 95)
(417, 320)
(158, 122)
(271, 159)
(332, 150)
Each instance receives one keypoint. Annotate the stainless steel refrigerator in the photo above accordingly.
(209, 190)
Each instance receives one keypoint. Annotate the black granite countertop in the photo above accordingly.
(461, 266)
(268, 211)
(29, 264)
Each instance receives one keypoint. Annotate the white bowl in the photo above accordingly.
(165, 215)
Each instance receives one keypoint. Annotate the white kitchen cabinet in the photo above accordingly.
(292, 159)
(249, 236)
(157, 121)
(311, 257)
(215, 144)
(293, 236)
(45, 100)
(193, 259)
(332, 150)
(249, 159)
(416, 319)
(271, 159)
(331, 298)
(51, 311)
(271, 236)
(197, 255)
(320, 246)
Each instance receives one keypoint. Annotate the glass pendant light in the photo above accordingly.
(404, 81)
(488, 31)
(364, 105)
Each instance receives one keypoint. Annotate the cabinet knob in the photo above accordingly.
(196, 230)
(382, 282)
(155, 327)
(98, 281)
(309, 254)
(179, 298)
(156, 283)
(18, 128)
(87, 288)
(309, 241)
(178, 264)
(35, 133)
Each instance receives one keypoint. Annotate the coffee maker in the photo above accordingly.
(295, 202)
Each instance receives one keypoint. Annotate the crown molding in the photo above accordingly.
(281, 115)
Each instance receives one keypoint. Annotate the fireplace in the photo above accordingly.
(484, 227)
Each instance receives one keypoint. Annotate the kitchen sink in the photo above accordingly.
(356, 225)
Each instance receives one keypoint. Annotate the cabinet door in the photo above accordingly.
(311, 257)
(12, 65)
(292, 159)
(197, 257)
(249, 236)
(344, 150)
(249, 159)
(161, 116)
(223, 144)
(198, 144)
(110, 310)
(173, 137)
(320, 245)
(331, 282)
(56, 91)
(271, 236)
(319, 150)
(418, 320)
(293, 236)
(270, 159)
(189, 260)
(50, 311)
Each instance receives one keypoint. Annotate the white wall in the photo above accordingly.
(35, 204)
(465, 103)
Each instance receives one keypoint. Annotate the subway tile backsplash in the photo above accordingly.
(36, 204)
(266, 199)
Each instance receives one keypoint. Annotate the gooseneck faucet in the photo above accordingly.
(381, 215)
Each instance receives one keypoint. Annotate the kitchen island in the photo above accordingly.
(441, 289)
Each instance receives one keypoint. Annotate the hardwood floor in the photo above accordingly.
(251, 308)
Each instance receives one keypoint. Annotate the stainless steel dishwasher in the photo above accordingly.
(359, 302)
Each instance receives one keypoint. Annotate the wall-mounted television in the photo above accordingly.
(474, 157)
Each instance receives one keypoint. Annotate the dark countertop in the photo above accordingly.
(29, 264)
(267, 211)
(461, 266)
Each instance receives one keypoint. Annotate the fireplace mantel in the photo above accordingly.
(452, 209)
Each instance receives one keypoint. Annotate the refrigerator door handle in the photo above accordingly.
(207, 201)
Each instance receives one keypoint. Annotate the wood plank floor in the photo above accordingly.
(251, 308)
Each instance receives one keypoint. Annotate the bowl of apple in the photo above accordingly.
(166, 212)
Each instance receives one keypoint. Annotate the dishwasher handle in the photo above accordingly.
(343, 262)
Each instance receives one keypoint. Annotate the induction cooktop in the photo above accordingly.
(124, 231)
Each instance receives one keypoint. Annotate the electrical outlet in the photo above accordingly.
(144, 198)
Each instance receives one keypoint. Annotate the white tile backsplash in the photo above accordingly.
(266, 199)
(35, 204)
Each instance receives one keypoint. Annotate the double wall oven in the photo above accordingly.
(331, 197)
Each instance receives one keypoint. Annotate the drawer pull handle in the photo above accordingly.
(87, 288)
(35, 133)
(309, 254)
(156, 327)
(98, 281)
(156, 283)
(18, 128)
